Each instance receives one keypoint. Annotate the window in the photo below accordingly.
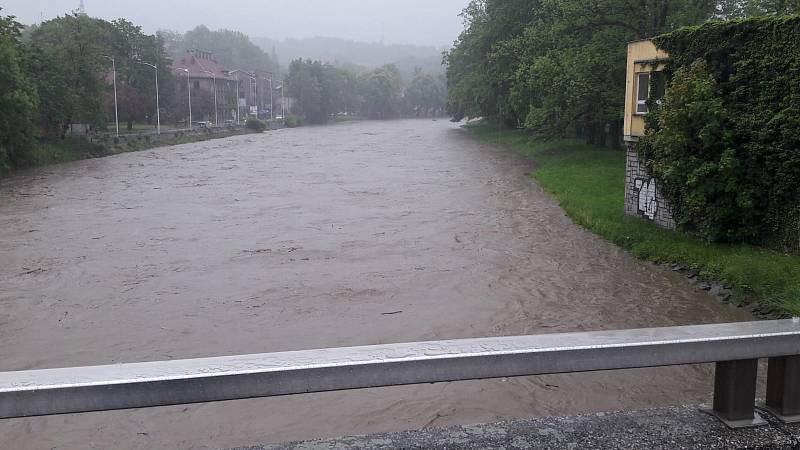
(649, 84)
(642, 92)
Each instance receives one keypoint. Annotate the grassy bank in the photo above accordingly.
(588, 182)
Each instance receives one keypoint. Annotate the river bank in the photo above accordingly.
(588, 183)
(100, 146)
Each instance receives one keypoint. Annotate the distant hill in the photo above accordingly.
(352, 55)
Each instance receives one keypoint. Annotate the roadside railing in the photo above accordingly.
(735, 348)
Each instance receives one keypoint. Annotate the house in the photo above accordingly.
(644, 80)
(239, 93)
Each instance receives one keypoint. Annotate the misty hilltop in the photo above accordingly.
(348, 53)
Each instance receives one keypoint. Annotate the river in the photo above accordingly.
(351, 234)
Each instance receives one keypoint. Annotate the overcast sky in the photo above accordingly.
(423, 22)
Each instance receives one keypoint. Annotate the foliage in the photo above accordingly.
(725, 142)
(426, 95)
(323, 91)
(585, 180)
(256, 125)
(231, 48)
(382, 91)
(136, 81)
(69, 62)
(17, 98)
(65, 62)
(694, 157)
(556, 67)
(294, 121)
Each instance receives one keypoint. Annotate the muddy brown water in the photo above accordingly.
(353, 234)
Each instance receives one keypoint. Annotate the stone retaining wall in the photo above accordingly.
(112, 140)
(642, 195)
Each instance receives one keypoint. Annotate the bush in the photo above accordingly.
(725, 143)
(256, 125)
(693, 156)
(294, 121)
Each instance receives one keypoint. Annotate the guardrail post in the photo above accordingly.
(735, 393)
(783, 388)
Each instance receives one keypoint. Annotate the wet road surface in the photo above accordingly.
(353, 234)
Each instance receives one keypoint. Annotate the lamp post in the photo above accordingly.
(283, 98)
(271, 98)
(158, 105)
(116, 107)
(189, 88)
(250, 88)
(216, 109)
(238, 105)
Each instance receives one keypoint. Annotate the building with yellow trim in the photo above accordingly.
(644, 80)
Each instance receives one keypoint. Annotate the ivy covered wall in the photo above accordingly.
(725, 142)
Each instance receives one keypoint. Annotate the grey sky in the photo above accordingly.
(424, 22)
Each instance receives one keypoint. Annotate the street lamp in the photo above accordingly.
(271, 98)
(158, 105)
(216, 110)
(116, 107)
(255, 95)
(238, 103)
(189, 88)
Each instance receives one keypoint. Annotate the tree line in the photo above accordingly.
(58, 73)
(557, 67)
(322, 91)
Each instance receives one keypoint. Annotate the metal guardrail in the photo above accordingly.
(735, 348)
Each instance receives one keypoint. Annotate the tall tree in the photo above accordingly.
(557, 66)
(136, 81)
(17, 98)
(231, 48)
(382, 91)
(65, 61)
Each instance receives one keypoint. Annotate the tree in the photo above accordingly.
(555, 66)
(322, 90)
(382, 91)
(17, 98)
(305, 88)
(65, 62)
(231, 48)
(426, 95)
(136, 81)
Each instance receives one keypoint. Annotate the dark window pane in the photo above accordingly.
(659, 85)
(644, 87)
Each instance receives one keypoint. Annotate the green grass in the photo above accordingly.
(588, 182)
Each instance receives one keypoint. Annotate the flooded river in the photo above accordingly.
(353, 234)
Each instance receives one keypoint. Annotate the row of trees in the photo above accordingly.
(58, 73)
(557, 67)
(322, 91)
